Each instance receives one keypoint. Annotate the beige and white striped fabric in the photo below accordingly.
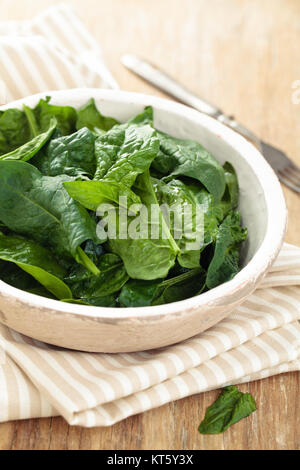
(261, 338)
(53, 51)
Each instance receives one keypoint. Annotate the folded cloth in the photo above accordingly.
(52, 51)
(259, 339)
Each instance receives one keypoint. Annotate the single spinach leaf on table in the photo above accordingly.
(111, 279)
(90, 117)
(231, 406)
(39, 207)
(225, 263)
(36, 261)
(144, 256)
(145, 293)
(188, 158)
(14, 130)
(66, 116)
(72, 155)
(32, 147)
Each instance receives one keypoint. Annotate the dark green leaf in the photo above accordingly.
(146, 257)
(146, 293)
(228, 409)
(39, 207)
(90, 117)
(111, 279)
(187, 221)
(16, 277)
(225, 263)
(36, 261)
(185, 157)
(139, 293)
(125, 152)
(33, 125)
(72, 155)
(32, 147)
(66, 116)
(230, 198)
(14, 130)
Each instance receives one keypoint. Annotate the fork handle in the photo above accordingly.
(231, 122)
(164, 82)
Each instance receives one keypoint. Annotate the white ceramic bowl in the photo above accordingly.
(122, 330)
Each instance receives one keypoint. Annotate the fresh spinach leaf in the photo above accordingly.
(139, 293)
(14, 130)
(36, 261)
(228, 409)
(16, 277)
(33, 126)
(145, 293)
(144, 118)
(39, 207)
(225, 263)
(125, 152)
(78, 272)
(32, 147)
(93, 250)
(188, 158)
(66, 116)
(72, 155)
(111, 279)
(187, 221)
(93, 193)
(90, 117)
(230, 198)
(145, 257)
(79, 160)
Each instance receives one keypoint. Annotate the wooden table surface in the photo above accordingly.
(242, 55)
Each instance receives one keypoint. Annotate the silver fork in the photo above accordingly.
(287, 171)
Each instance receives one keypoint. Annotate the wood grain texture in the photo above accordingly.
(242, 55)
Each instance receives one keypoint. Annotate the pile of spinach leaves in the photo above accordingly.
(57, 165)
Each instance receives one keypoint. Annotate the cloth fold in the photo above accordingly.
(52, 51)
(259, 339)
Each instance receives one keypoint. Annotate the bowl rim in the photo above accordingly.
(264, 256)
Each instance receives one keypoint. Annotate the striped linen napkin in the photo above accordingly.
(259, 339)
